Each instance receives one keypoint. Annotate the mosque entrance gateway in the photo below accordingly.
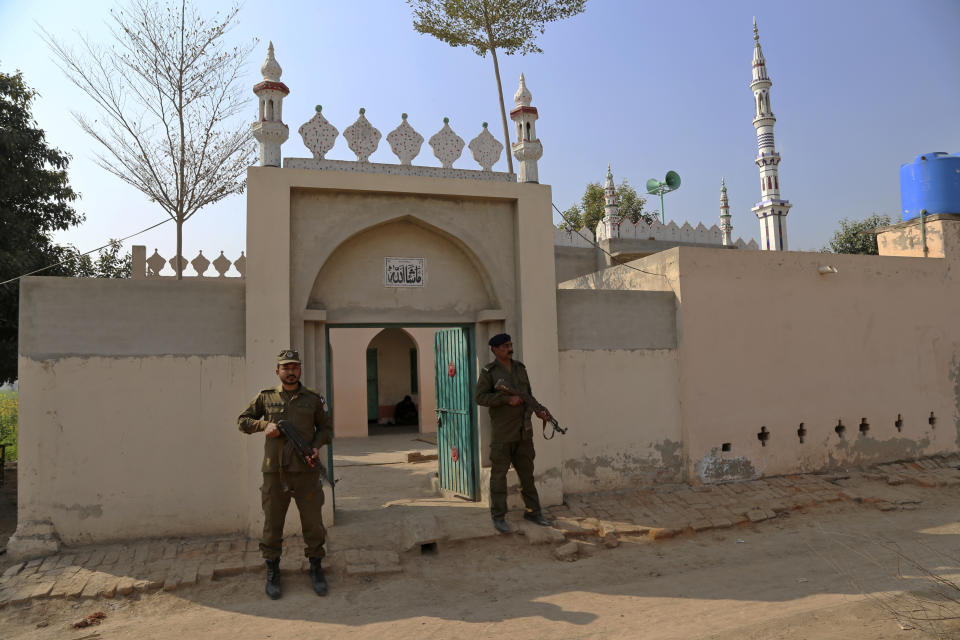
(376, 462)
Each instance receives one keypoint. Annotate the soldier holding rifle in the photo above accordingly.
(291, 471)
(512, 432)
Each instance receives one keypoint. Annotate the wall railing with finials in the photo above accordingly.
(143, 268)
(319, 136)
(669, 232)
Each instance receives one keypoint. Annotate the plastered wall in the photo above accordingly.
(768, 343)
(940, 232)
(119, 448)
(622, 410)
(773, 356)
(122, 433)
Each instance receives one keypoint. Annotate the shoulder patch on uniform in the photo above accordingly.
(490, 367)
(268, 390)
(520, 363)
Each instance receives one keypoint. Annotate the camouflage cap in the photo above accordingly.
(288, 356)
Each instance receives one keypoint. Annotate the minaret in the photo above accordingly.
(771, 210)
(269, 129)
(527, 149)
(611, 212)
(725, 226)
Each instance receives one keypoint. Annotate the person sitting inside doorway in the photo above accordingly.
(405, 411)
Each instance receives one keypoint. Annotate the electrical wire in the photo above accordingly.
(617, 260)
(71, 258)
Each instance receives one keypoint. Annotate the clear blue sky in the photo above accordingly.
(858, 88)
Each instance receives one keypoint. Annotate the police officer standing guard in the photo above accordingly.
(286, 475)
(511, 441)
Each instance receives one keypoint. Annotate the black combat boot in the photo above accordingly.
(273, 578)
(537, 518)
(501, 525)
(317, 579)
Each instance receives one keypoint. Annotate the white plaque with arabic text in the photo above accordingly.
(404, 272)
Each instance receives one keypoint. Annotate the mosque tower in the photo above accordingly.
(725, 226)
(269, 129)
(771, 210)
(527, 149)
(609, 226)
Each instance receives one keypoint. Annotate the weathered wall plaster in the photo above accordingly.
(623, 413)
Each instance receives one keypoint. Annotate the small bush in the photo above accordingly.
(8, 422)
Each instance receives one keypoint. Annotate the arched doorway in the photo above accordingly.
(393, 383)
(382, 332)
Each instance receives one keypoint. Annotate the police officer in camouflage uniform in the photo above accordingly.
(291, 478)
(511, 441)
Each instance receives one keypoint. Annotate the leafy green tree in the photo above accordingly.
(109, 263)
(591, 210)
(854, 237)
(168, 97)
(511, 26)
(35, 199)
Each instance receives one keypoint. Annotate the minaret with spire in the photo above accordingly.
(269, 129)
(611, 211)
(771, 210)
(725, 226)
(527, 149)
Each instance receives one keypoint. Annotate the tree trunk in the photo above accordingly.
(503, 111)
(179, 266)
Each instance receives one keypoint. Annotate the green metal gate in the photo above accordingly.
(373, 387)
(456, 424)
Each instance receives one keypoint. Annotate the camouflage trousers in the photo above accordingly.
(307, 491)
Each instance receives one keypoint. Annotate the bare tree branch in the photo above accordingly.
(169, 103)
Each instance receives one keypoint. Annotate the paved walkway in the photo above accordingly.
(363, 548)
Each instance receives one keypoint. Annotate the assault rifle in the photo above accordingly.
(295, 441)
(531, 406)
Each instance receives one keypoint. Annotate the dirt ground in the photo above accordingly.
(838, 571)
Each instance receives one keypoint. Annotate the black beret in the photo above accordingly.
(499, 339)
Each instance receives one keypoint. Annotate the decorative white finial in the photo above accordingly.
(756, 32)
(523, 97)
(271, 68)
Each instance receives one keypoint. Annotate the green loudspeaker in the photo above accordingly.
(657, 188)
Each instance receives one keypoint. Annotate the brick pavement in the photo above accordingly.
(108, 571)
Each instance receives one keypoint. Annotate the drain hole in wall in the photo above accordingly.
(899, 423)
(763, 436)
(428, 549)
(932, 420)
(801, 433)
(864, 426)
(840, 428)
(725, 446)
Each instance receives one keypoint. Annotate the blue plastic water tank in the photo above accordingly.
(931, 182)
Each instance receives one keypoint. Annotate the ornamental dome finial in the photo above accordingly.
(523, 97)
(271, 68)
(756, 32)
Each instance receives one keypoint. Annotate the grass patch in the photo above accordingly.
(8, 422)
